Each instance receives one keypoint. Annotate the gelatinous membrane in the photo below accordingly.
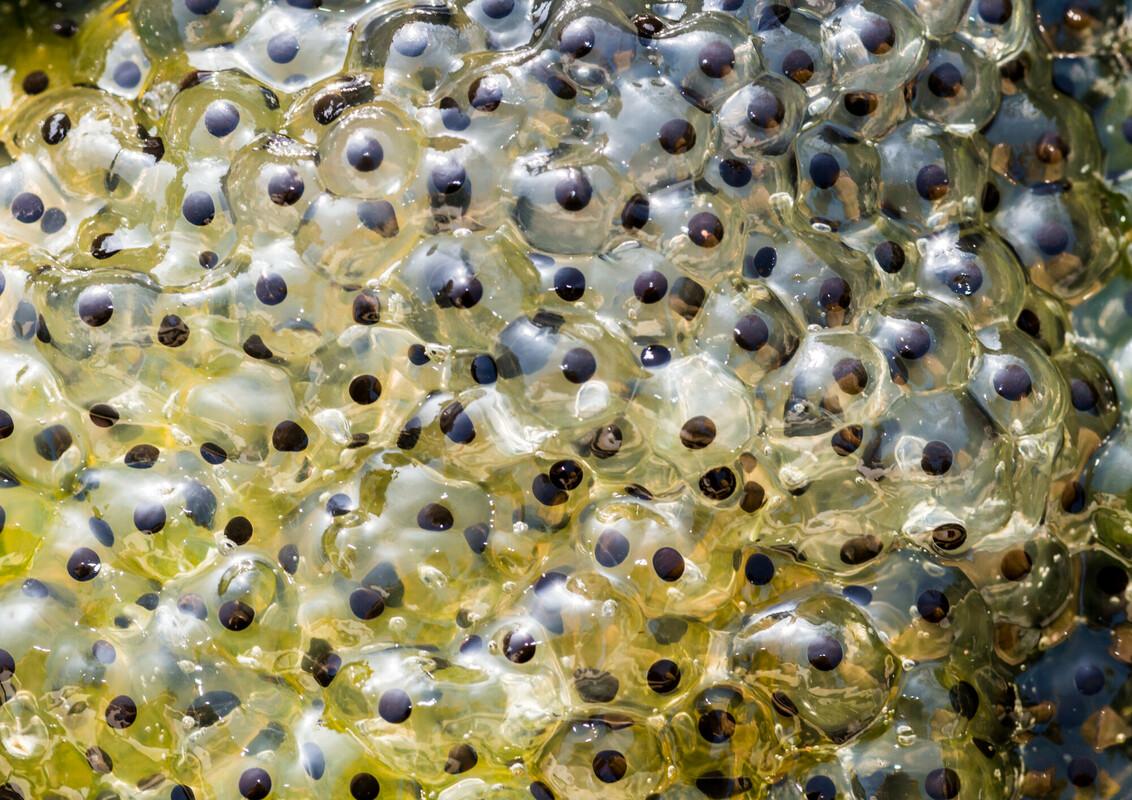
(498, 399)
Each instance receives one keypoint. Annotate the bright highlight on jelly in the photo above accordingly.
(576, 400)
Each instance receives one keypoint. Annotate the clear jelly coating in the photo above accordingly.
(589, 400)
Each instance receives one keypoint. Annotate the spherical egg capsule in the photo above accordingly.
(215, 114)
(564, 208)
(926, 179)
(1049, 227)
(823, 662)
(877, 44)
(974, 272)
(369, 152)
(956, 88)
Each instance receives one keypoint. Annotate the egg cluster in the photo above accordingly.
(598, 399)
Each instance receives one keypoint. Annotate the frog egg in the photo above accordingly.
(216, 114)
(195, 25)
(973, 272)
(118, 64)
(507, 24)
(343, 234)
(641, 542)
(1007, 385)
(997, 30)
(289, 48)
(927, 344)
(461, 191)
(272, 184)
(814, 285)
(920, 608)
(417, 49)
(691, 430)
(1092, 401)
(926, 180)
(875, 44)
(790, 43)
(956, 88)
(1047, 226)
(369, 152)
(465, 289)
(1043, 319)
(834, 385)
(751, 335)
(669, 136)
(940, 452)
(1030, 140)
(832, 188)
(721, 730)
(610, 755)
(762, 117)
(596, 46)
(708, 61)
(866, 113)
(563, 208)
(836, 679)
(346, 373)
(75, 134)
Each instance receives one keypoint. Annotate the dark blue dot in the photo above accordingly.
(452, 117)
(569, 284)
(498, 9)
(759, 569)
(734, 172)
(824, 170)
(201, 7)
(1082, 772)
(282, 48)
(102, 531)
(1089, 679)
(285, 187)
(820, 787)
(857, 594)
(221, 118)
(762, 263)
(314, 762)
(411, 40)
(484, 370)
(655, 355)
(127, 75)
(448, 178)
(53, 220)
(379, 216)
(27, 207)
(198, 208)
(364, 153)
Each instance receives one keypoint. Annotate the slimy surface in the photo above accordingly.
(595, 400)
